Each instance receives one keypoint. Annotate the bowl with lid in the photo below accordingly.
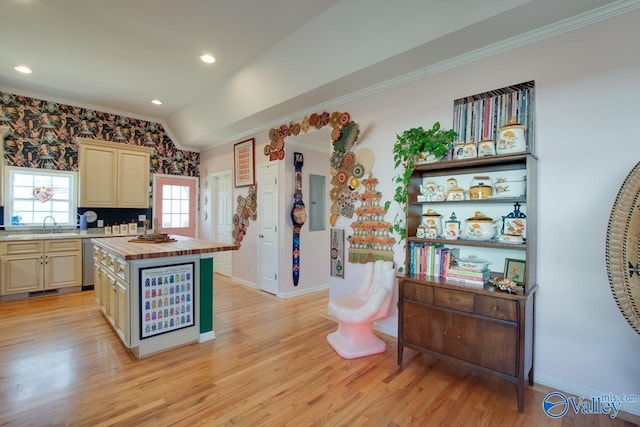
(480, 227)
(481, 188)
(510, 186)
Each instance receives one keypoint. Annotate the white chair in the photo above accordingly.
(356, 313)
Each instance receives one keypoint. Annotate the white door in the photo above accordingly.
(222, 211)
(268, 227)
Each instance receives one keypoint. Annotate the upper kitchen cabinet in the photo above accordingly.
(113, 175)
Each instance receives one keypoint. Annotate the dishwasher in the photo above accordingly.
(87, 264)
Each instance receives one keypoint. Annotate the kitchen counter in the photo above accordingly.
(156, 295)
(124, 248)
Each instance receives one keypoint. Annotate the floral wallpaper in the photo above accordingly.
(42, 136)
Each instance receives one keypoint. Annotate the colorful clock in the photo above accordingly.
(298, 216)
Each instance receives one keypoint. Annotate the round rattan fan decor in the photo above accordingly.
(623, 254)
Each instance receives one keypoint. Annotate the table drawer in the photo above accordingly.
(463, 301)
(417, 292)
(498, 308)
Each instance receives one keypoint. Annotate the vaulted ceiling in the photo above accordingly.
(274, 59)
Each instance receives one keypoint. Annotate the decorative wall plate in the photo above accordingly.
(91, 216)
(622, 253)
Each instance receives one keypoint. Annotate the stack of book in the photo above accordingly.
(468, 276)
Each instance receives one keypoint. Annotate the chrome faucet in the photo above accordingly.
(44, 223)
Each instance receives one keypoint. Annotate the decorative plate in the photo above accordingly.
(91, 216)
(622, 252)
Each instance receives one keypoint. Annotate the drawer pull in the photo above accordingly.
(458, 337)
(444, 333)
(494, 308)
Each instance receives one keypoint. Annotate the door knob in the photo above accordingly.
(261, 236)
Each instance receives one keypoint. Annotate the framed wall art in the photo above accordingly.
(243, 161)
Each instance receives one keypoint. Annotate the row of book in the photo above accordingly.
(480, 116)
(437, 261)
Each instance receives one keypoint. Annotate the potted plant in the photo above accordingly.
(412, 147)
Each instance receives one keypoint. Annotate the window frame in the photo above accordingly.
(8, 196)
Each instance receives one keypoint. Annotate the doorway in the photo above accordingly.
(221, 221)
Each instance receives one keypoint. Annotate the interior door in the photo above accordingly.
(222, 209)
(174, 202)
(268, 227)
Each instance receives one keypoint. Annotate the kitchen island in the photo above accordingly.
(156, 295)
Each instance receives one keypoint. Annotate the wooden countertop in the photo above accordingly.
(130, 251)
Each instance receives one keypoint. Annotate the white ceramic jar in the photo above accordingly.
(511, 139)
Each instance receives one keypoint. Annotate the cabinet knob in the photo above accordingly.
(458, 337)
(494, 308)
(444, 333)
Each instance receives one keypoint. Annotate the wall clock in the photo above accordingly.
(298, 216)
(622, 252)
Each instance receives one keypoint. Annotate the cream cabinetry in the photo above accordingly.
(111, 287)
(113, 175)
(37, 265)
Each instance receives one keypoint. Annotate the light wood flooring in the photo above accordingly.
(270, 365)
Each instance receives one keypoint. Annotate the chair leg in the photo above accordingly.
(353, 340)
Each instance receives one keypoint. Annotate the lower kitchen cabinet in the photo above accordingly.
(37, 265)
(111, 289)
(488, 329)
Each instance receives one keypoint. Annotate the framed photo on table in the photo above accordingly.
(243, 163)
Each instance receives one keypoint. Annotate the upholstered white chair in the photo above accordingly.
(356, 313)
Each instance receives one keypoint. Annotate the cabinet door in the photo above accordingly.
(122, 311)
(98, 184)
(112, 305)
(425, 327)
(133, 179)
(22, 273)
(97, 284)
(63, 269)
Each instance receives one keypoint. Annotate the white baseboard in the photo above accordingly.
(303, 291)
(582, 391)
(207, 336)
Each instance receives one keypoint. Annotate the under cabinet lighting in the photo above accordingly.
(22, 69)
(207, 58)
(156, 102)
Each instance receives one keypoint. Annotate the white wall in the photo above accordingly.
(587, 86)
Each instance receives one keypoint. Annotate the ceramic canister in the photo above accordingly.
(511, 139)
(432, 219)
(486, 147)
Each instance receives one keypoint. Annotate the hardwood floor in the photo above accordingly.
(62, 365)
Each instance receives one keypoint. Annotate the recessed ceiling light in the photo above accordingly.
(22, 69)
(207, 58)
(156, 101)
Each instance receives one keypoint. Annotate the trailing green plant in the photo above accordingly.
(408, 149)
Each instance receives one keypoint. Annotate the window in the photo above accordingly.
(33, 194)
(175, 206)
